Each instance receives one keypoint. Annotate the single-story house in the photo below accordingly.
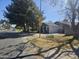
(68, 29)
(50, 28)
(5, 26)
(59, 27)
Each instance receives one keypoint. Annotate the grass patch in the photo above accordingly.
(59, 37)
(50, 36)
(43, 43)
(55, 35)
(52, 41)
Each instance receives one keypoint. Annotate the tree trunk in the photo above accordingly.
(28, 29)
(39, 32)
(73, 26)
(75, 30)
(24, 28)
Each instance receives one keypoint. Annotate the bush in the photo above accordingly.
(50, 36)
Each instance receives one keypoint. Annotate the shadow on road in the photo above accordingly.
(4, 35)
(17, 53)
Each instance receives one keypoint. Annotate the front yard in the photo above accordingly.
(57, 44)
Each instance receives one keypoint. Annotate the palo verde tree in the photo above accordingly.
(22, 13)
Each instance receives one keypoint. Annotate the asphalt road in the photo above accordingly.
(11, 43)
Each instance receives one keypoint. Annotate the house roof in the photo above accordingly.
(65, 23)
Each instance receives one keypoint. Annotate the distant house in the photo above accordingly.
(66, 26)
(59, 27)
(77, 27)
(5, 26)
(54, 28)
(51, 28)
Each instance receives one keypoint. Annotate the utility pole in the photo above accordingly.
(40, 5)
(40, 22)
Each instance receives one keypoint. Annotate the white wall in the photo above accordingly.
(53, 28)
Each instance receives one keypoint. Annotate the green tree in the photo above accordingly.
(22, 13)
(37, 15)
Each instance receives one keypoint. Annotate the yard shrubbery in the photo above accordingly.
(50, 36)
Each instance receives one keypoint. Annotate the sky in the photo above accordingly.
(50, 13)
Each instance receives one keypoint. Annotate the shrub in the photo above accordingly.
(50, 36)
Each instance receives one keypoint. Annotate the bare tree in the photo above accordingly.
(72, 13)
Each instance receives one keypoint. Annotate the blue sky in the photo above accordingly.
(50, 13)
